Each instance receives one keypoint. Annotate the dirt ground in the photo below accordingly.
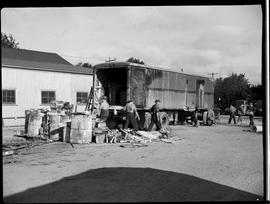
(202, 164)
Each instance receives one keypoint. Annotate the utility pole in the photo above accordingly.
(212, 74)
(181, 68)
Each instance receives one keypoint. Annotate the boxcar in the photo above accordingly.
(178, 92)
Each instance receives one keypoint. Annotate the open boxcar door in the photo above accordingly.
(137, 80)
(200, 93)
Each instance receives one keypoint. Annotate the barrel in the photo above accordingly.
(67, 132)
(54, 126)
(65, 120)
(75, 120)
(81, 129)
(34, 123)
(100, 138)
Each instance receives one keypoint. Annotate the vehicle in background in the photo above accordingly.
(257, 105)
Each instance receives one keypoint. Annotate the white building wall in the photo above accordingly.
(29, 84)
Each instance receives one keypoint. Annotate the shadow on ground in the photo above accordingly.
(128, 185)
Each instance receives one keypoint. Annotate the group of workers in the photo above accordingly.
(132, 114)
(240, 112)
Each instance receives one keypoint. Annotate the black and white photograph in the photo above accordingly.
(158, 103)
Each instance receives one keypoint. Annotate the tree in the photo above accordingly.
(257, 92)
(135, 60)
(229, 89)
(8, 41)
(85, 64)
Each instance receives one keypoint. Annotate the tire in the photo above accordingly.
(147, 120)
(209, 122)
(164, 119)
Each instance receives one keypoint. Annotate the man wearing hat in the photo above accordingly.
(104, 109)
(132, 113)
(154, 115)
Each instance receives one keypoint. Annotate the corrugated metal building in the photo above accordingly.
(31, 79)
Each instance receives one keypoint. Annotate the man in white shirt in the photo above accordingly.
(132, 114)
(104, 109)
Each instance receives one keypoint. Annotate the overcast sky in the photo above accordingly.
(199, 39)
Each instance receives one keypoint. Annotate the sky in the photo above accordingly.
(197, 39)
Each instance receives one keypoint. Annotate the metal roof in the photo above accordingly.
(36, 60)
(116, 64)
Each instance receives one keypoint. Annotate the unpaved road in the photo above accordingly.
(204, 163)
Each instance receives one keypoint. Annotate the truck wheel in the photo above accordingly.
(164, 119)
(209, 122)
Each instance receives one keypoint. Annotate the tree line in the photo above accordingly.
(236, 87)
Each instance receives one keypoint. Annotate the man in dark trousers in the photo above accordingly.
(154, 115)
(132, 114)
(195, 117)
(232, 114)
(250, 112)
(104, 109)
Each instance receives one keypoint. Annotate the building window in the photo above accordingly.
(47, 97)
(8, 96)
(82, 97)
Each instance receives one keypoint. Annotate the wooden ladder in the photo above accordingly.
(90, 100)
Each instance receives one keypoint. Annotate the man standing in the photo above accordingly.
(195, 117)
(232, 114)
(240, 113)
(154, 115)
(250, 112)
(132, 114)
(104, 109)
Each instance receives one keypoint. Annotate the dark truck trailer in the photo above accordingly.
(178, 92)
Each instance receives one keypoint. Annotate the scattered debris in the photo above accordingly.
(256, 128)
(133, 145)
(61, 107)
(150, 135)
(20, 147)
(59, 123)
(8, 153)
(167, 140)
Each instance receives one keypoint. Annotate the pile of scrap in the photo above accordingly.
(13, 146)
(63, 107)
(48, 124)
(103, 134)
(59, 123)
